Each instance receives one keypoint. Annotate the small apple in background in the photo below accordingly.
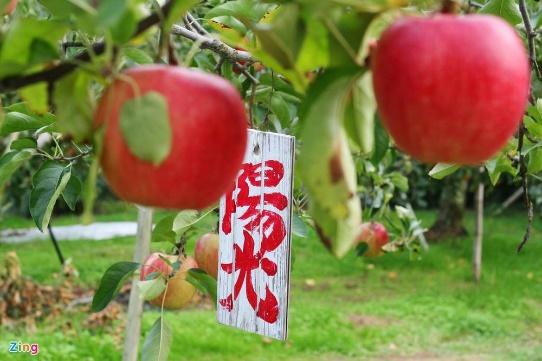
(179, 292)
(451, 88)
(375, 236)
(10, 7)
(206, 253)
(208, 126)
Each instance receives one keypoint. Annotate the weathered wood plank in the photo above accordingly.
(255, 224)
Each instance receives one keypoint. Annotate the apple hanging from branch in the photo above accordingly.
(206, 253)
(451, 88)
(208, 134)
(375, 236)
(179, 292)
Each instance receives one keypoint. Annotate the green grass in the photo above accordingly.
(390, 308)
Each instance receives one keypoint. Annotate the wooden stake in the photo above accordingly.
(478, 233)
(135, 307)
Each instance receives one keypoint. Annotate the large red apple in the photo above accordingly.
(206, 253)
(375, 236)
(209, 134)
(179, 292)
(451, 88)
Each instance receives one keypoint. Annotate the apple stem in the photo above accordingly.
(450, 6)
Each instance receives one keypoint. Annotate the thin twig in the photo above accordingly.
(531, 35)
(525, 185)
(195, 24)
(522, 130)
(214, 45)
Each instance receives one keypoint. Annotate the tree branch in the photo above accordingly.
(531, 35)
(56, 72)
(62, 69)
(215, 45)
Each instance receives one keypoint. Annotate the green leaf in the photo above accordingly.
(163, 231)
(185, 220)
(157, 343)
(441, 170)
(299, 228)
(150, 289)
(47, 185)
(202, 281)
(535, 161)
(23, 143)
(123, 30)
(110, 12)
(10, 162)
(74, 102)
(534, 127)
(89, 190)
(18, 122)
(506, 9)
(325, 162)
(28, 42)
(284, 37)
(399, 181)
(382, 142)
(241, 9)
(111, 282)
(501, 164)
(179, 8)
(279, 107)
(360, 126)
(314, 52)
(137, 55)
(36, 96)
(145, 126)
(80, 12)
(72, 192)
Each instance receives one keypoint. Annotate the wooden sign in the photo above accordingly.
(255, 224)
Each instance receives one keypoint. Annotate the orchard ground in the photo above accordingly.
(391, 308)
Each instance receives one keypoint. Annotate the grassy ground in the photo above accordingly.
(390, 308)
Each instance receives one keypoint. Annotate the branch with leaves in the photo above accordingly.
(52, 74)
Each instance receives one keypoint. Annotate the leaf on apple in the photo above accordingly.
(144, 123)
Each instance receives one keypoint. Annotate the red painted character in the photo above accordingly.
(272, 229)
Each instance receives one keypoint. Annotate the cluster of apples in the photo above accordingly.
(179, 291)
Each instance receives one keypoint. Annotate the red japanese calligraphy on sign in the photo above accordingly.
(255, 239)
(247, 260)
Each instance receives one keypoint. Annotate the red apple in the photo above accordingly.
(209, 135)
(451, 88)
(206, 253)
(375, 235)
(10, 7)
(179, 292)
